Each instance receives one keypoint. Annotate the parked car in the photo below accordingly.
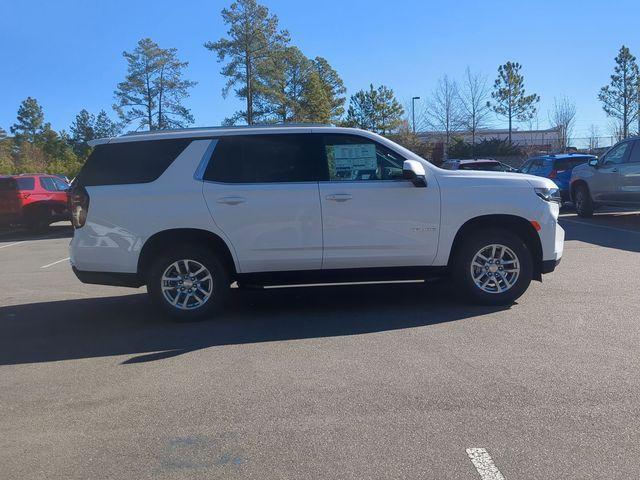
(10, 208)
(613, 180)
(557, 168)
(37, 200)
(188, 212)
(478, 164)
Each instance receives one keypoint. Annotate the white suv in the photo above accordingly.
(189, 212)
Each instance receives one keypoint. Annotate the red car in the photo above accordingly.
(35, 200)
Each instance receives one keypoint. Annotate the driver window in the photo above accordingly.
(354, 158)
(616, 155)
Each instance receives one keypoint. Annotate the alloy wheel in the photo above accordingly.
(187, 284)
(495, 268)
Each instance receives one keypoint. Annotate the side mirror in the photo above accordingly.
(593, 162)
(414, 171)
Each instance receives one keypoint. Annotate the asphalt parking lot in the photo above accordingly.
(375, 381)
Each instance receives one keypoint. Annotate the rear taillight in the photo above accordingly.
(553, 174)
(78, 205)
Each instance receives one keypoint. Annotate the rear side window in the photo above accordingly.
(130, 162)
(7, 185)
(266, 159)
(26, 183)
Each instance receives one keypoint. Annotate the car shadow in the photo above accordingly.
(129, 325)
(613, 229)
(57, 230)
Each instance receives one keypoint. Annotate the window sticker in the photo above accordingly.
(353, 161)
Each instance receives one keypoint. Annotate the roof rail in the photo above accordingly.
(230, 127)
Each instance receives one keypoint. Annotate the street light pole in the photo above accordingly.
(413, 113)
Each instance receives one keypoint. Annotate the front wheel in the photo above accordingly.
(493, 267)
(583, 202)
(188, 283)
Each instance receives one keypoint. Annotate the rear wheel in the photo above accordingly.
(493, 267)
(583, 202)
(188, 283)
(38, 219)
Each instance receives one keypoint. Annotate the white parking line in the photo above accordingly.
(55, 263)
(12, 244)
(484, 464)
(615, 229)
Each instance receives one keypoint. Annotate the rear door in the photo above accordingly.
(262, 192)
(629, 181)
(371, 216)
(27, 190)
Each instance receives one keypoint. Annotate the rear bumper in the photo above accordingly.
(113, 279)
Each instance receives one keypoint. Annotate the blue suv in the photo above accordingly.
(557, 168)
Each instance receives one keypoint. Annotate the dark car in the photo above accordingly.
(478, 164)
(557, 168)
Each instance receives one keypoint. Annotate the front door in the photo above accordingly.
(262, 192)
(371, 216)
(630, 177)
(604, 184)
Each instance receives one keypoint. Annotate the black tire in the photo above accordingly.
(38, 219)
(583, 202)
(219, 287)
(462, 267)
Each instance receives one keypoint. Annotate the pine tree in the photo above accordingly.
(376, 110)
(334, 89)
(315, 104)
(104, 127)
(82, 131)
(510, 99)
(252, 40)
(621, 98)
(152, 93)
(30, 124)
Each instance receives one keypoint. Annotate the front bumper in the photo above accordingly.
(549, 266)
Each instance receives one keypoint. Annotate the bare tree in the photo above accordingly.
(443, 110)
(563, 116)
(594, 140)
(474, 99)
(616, 129)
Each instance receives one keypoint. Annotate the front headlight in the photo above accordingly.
(549, 194)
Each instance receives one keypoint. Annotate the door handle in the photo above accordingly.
(232, 200)
(614, 170)
(339, 197)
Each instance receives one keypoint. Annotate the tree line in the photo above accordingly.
(278, 83)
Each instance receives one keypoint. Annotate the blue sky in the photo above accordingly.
(68, 53)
